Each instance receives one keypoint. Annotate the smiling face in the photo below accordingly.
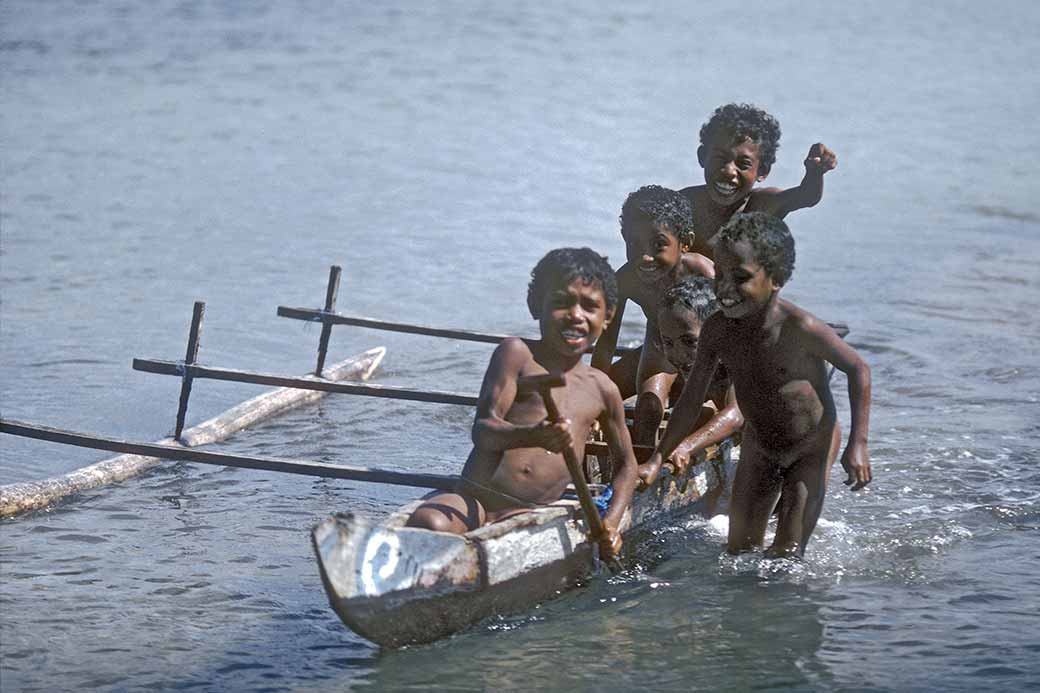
(573, 317)
(742, 284)
(680, 330)
(730, 169)
(651, 248)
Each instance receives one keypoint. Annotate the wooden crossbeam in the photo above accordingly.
(327, 318)
(271, 464)
(239, 376)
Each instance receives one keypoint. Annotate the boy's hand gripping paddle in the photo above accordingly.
(543, 384)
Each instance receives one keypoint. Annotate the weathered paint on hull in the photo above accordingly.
(397, 585)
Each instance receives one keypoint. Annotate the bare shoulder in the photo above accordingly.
(606, 388)
(802, 321)
(694, 192)
(715, 331)
(764, 200)
(513, 350)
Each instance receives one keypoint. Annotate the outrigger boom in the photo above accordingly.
(238, 376)
(175, 451)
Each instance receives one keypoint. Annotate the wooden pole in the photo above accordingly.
(326, 327)
(328, 318)
(272, 464)
(544, 384)
(190, 356)
(371, 323)
(237, 376)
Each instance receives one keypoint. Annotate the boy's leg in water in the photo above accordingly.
(756, 486)
(804, 487)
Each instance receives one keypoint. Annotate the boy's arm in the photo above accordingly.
(821, 340)
(618, 439)
(603, 354)
(612, 422)
(699, 264)
(491, 430)
(725, 423)
(781, 202)
(685, 411)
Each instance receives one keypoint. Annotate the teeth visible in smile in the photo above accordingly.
(725, 188)
(728, 302)
(572, 334)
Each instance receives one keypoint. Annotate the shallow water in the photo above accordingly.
(158, 154)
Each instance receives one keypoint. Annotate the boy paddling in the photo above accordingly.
(737, 150)
(776, 355)
(516, 463)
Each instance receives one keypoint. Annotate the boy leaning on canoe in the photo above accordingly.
(516, 462)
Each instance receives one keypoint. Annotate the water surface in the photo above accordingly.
(157, 154)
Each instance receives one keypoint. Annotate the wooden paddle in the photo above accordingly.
(543, 385)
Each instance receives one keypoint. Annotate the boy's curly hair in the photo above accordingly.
(745, 121)
(770, 241)
(696, 294)
(562, 266)
(663, 206)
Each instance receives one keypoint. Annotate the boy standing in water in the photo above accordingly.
(516, 463)
(657, 226)
(738, 149)
(776, 355)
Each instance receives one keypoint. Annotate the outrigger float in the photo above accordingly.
(393, 584)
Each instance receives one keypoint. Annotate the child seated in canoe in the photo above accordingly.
(680, 319)
(516, 463)
(657, 226)
(776, 354)
(738, 148)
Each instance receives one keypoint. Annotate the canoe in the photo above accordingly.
(397, 585)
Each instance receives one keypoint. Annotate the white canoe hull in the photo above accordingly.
(398, 585)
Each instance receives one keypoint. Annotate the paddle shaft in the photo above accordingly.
(596, 529)
(271, 464)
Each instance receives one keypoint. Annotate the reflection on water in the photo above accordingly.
(157, 154)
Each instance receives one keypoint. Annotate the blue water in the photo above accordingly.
(159, 153)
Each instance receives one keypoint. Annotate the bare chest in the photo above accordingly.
(775, 377)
